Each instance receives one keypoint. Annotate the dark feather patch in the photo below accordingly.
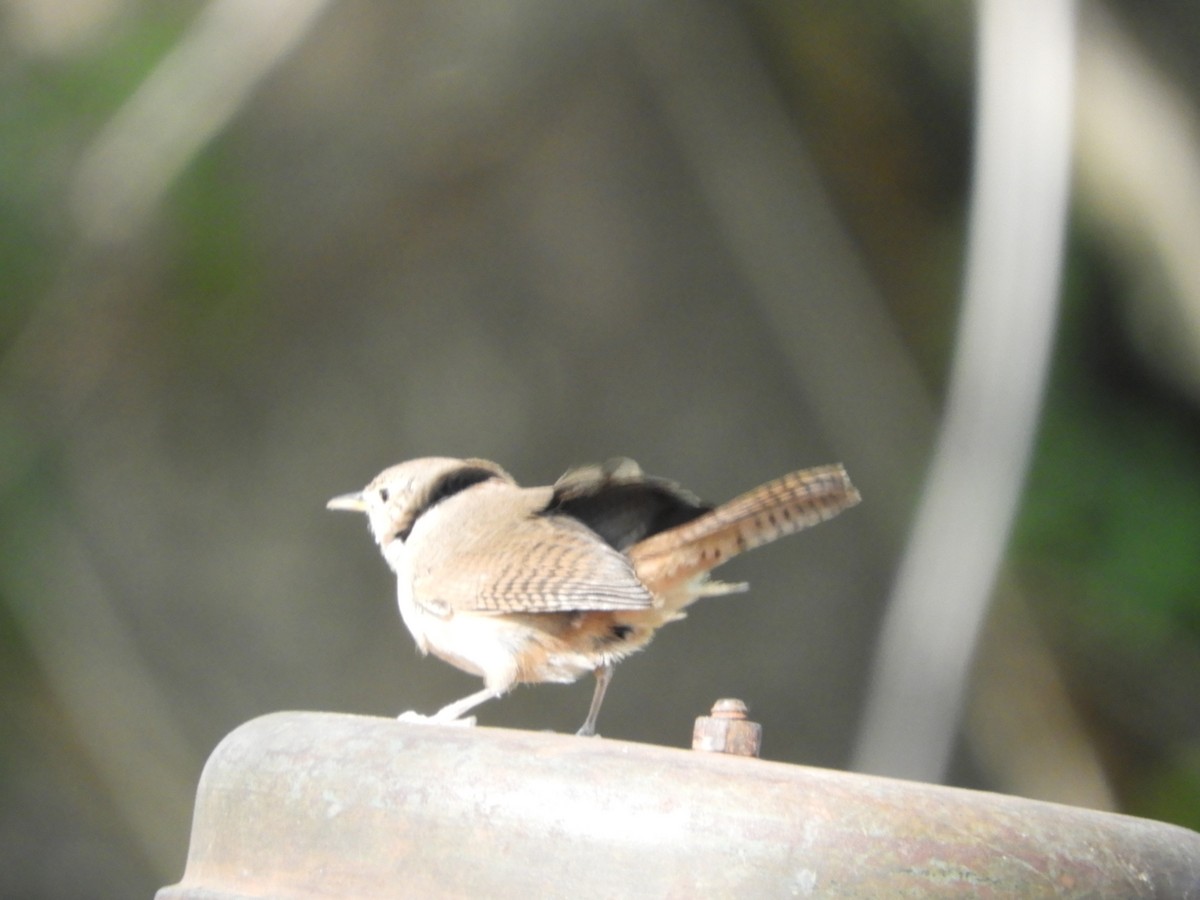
(622, 504)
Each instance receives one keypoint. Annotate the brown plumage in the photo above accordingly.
(544, 584)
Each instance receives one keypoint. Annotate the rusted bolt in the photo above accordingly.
(727, 730)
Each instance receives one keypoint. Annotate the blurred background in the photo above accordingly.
(253, 252)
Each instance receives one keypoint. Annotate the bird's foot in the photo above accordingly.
(418, 718)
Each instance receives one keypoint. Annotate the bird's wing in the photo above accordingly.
(542, 562)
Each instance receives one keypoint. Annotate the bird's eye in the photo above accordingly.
(383, 494)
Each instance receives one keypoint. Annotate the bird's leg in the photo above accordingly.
(452, 713)
(603, 677)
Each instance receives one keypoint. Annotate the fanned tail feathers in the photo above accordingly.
(778, 508)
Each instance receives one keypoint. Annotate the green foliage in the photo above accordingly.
(1110, 535)
(1113, 503)
(213, 281)
(51, 110)
(1171, 792)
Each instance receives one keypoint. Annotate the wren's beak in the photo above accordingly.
(351, 502)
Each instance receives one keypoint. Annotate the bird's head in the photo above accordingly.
(399, 495)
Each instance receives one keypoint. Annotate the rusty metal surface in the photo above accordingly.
(321, 805)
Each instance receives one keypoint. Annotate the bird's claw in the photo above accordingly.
(414, 717)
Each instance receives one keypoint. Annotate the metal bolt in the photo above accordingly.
(727, 730)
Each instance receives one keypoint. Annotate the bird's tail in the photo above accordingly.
(673, 559)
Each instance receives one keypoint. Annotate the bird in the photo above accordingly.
(526, 585)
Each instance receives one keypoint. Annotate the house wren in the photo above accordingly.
(544, 584)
